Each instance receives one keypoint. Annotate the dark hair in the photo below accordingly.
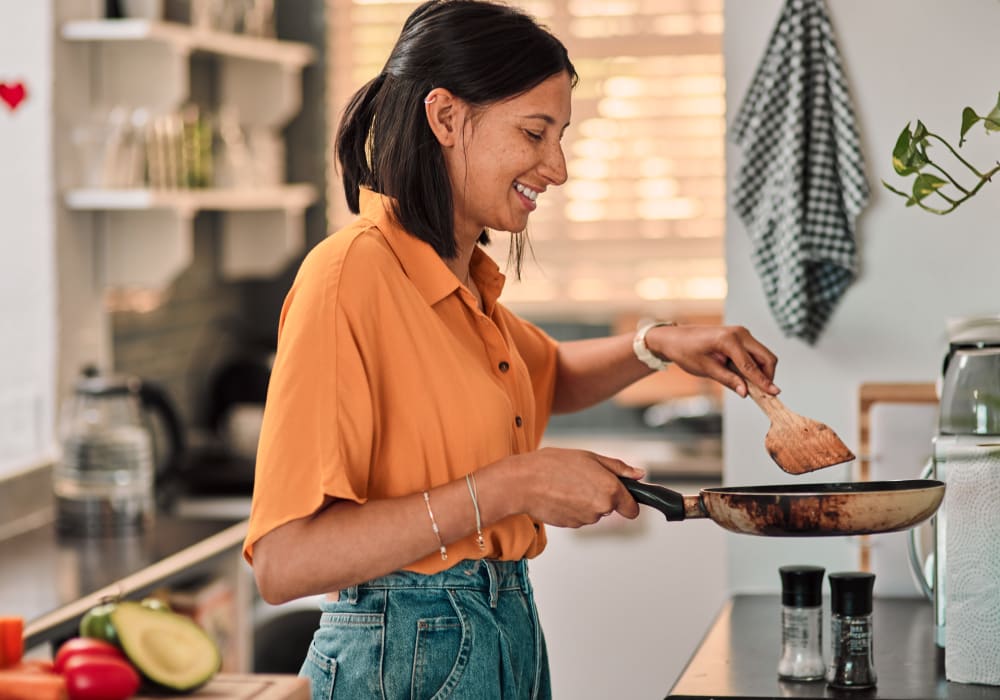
(483, 52)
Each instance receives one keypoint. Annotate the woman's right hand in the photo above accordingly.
(571, 488)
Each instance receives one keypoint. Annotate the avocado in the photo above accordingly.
(169, 649)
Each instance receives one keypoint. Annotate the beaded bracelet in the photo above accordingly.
(434, 526)
(470, 481)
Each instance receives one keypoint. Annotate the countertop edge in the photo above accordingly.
(206, 549)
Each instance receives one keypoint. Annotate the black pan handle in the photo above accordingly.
(668, 502)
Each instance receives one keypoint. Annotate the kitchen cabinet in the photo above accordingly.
(623, 603)
(135, 72)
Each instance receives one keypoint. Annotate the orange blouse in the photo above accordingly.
(389, 381)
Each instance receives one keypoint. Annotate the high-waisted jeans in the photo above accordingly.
(470, 631)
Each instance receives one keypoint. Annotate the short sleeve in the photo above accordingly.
(316, 436)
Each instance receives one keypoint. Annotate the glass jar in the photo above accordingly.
(801, 623)
(852, 664)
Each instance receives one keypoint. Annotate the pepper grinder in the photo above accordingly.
(801, 623)
(851, 630)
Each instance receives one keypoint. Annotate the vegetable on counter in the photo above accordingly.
(31, 684)
(96, 622)
(168, 649)
(96, 677)
(11, 640)
(83, 646)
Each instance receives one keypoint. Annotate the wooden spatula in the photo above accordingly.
(798, 444)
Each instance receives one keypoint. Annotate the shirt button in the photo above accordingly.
(504, 366)
(517, 421)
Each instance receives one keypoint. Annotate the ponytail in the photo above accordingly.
(353, 139)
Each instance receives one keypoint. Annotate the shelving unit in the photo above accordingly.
(187, 39)
(144, 235)
(189, 202)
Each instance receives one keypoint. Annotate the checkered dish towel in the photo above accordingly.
(802, 180)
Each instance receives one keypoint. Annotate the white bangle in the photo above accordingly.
(434, 526)
(642, 352)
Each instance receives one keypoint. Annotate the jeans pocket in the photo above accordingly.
(348, 648)
(321, 671)
(440, 654)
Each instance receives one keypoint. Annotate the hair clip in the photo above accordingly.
(429, 99)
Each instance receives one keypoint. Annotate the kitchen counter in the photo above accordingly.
(233, 686)
(51, 580)
(738, 657)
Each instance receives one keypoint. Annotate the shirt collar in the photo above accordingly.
(421, 263)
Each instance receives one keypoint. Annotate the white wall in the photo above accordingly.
(905, 60)
(50, 303)
(27, 238)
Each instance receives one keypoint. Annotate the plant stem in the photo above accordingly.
(984, 178)
(947, 175)
(955, 153)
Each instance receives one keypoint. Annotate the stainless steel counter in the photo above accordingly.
(51, 580)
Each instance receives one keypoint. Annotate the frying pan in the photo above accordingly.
(801, 510)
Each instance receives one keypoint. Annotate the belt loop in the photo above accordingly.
(352, 594)
(522, 571)
(492, 573)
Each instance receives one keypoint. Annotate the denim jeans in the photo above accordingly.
(470, 631)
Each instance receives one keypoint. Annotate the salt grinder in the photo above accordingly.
(851, 630)
(801, 623)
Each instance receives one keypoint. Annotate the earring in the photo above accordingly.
(429, 99)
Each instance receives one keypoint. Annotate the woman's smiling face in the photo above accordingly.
(505, 156)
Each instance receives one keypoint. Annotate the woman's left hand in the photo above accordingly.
(705, 351)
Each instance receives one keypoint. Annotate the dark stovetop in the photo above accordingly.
(738, 657)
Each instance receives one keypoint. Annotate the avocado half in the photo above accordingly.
(169, 649)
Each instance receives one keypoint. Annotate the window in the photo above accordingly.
(639, 225)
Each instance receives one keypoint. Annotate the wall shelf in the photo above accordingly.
(186, 39)
(294, 198)
(147, 234)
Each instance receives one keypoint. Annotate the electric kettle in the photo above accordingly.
(970, 383)
(966, 457)
(112, 459)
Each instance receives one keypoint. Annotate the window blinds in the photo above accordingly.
(639, 225)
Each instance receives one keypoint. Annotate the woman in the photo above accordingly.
(398, 468)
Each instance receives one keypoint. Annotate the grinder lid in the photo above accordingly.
(851, 592)
(801, 586)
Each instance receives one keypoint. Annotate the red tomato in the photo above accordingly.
(85, 646)
(99, 678)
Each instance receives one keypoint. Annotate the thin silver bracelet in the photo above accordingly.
(470, 481)
(434, 526)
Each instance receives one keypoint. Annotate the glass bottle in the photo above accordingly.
(851, 630)
(801, 623)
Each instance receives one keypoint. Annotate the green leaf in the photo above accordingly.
(969, 119)
(925, 185)
(907, 156)
(920, 133)
(993, 118)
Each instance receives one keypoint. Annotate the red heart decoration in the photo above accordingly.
(13, 94)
